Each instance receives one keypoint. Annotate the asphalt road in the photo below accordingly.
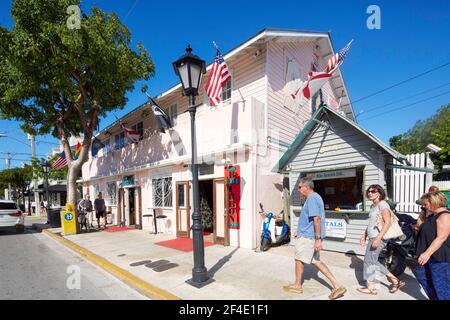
(35, 267)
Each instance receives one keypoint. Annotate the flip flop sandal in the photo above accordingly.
(397, 286)
(367, 291)
(292, 289)
(337, 293)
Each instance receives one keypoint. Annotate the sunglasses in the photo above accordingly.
(372, 191)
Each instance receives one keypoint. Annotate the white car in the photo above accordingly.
(11, 216)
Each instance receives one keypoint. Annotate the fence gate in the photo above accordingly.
(411, 182)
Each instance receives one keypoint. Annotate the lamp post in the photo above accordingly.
(46, 166)
(190, 69)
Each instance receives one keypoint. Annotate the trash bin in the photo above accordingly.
(55, 218)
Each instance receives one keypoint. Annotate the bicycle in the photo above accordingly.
(83, 221)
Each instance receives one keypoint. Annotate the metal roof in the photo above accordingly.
(291, 152)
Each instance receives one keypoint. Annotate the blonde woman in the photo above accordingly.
(433, 248)
(373, 269)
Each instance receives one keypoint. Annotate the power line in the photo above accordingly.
(400, 100)
(401, 82)
(407, 106)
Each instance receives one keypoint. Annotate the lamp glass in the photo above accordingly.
(183, 71)
(196, 75)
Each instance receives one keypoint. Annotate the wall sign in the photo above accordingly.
(348, 173)
(336, 228)
(233, 189)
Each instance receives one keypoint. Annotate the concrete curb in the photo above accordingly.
(140, 285)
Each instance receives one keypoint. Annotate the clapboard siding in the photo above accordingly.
(285, 122)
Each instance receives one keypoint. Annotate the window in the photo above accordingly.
(111, 193)
(226, 92)
(106, 148)
(181, 195)
(205, 169)
(139, 127)
(120, 140)
(162, 192)
(7, 206)
(172, 112)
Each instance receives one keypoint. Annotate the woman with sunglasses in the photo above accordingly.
(373, 269)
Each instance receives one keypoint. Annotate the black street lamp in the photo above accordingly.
(190, 69)
(46, 166)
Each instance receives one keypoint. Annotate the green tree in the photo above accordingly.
(435, 130)
(18, 178)
(59, 78)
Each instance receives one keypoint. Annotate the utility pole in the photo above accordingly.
(8, 166)
(35, 182)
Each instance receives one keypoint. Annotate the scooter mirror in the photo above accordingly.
(261, 206)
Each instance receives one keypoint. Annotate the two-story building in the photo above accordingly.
(249, 131)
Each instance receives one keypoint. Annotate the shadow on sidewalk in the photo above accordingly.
(357, 264)
(220, 263)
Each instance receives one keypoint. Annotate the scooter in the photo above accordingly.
(398, 251)
(274, 232)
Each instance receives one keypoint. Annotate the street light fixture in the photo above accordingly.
(190, 69)
(46, 166)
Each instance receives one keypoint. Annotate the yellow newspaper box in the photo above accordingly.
(68, 221)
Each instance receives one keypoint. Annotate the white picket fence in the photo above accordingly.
(410, 184)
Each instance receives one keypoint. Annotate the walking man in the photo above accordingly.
(86, 206)
(100, 209)
(308, 240)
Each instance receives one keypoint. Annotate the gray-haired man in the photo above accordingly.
(308, 240)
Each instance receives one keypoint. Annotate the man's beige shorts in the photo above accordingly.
(304, 251)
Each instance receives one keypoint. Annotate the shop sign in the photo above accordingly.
(233, 185)
(336, 228)
(332, 174)
(128, 181)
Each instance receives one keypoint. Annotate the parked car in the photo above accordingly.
(11, 216)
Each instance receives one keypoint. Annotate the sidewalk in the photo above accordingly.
(239, 274)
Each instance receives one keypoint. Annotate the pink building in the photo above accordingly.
(252, 128)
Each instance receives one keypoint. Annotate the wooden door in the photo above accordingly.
(121, 207)
(138, 206)
(220, 221)
(183, 211)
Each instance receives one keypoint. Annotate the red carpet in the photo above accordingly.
(117, 229)
(182, 244)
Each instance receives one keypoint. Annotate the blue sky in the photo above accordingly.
(413, 39)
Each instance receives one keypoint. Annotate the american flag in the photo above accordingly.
(132, 135)
(217, 79)
(337, 59)
(60, 162)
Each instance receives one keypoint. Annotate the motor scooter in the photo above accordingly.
(274, 230)
(400, 250)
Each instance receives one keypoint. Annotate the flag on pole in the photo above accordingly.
(132, 135)
(96, 146)
(77, 151)
(218, 77)
(317, 79)
(336, 60)
(162, 118)
(60, 162)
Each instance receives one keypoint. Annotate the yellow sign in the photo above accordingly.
(68, 221)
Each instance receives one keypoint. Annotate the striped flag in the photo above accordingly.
(317, 79)
(60, 162)
(336, 60)
(218, 77)
(132, 135)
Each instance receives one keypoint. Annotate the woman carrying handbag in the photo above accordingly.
(373, 269)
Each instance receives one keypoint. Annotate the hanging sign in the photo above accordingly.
(233, 189)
